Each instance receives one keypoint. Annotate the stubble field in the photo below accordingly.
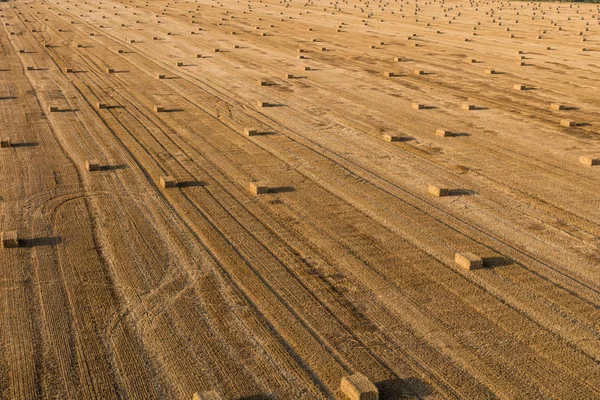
(345, 113)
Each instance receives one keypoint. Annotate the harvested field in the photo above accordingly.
(299, 200)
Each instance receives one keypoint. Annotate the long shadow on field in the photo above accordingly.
(282, 189)
(402, 389)
(115, 167)
(493, 262)
(28, 144)
(187, 184)
(40, 241)
(461, 192)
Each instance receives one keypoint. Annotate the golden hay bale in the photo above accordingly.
(10, 239)
(437, 191)
(359, 387)
(468, 261)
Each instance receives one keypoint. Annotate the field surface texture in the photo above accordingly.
(262, 198)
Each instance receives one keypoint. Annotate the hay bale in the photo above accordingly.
(179, 64)
(442, 132)
(92, 165)
(589, 161)
(167, 182)
(359, 387)
(30, 68)
(437, 191)
(5, 142)
(467, 107)
(288, 76)
(10, 239)
(257, 188)
(161, 76)
(468, 261)
(68, 70)
(100, 106)
(110, 70)
(418, 72)
(418, 106)
(261, 104)
(159, 109)
(53, 109)
(391, 138)
(490, 71)
(518, 86)
(210, 395)
(250, 132)
(567, 123)
(389, 74)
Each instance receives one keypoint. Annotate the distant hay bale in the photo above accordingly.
(418, 106)
(567, 123)
(391, 138)
(557, 107)
(198, 55)
(179, 64)
(468, 261)
(10, 239)
(250, 132)
(490, 71)
(589, 161)
(53, 109)
(261, 104)
(110, 70)
(68, 70)
(262, 83)
(159, 109)
(519, 87)
(389, 74)
(442, 132)
(437, 191)
(257, 188)
(161, 76)
(5, 142)
(216, 50)
(167, 182)
(358, 387)
(210, 395)
(92, 165)
(30, 68)
(288, 76)
(418, 72)
(467, 107)
(100, 106)
(470, 61)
